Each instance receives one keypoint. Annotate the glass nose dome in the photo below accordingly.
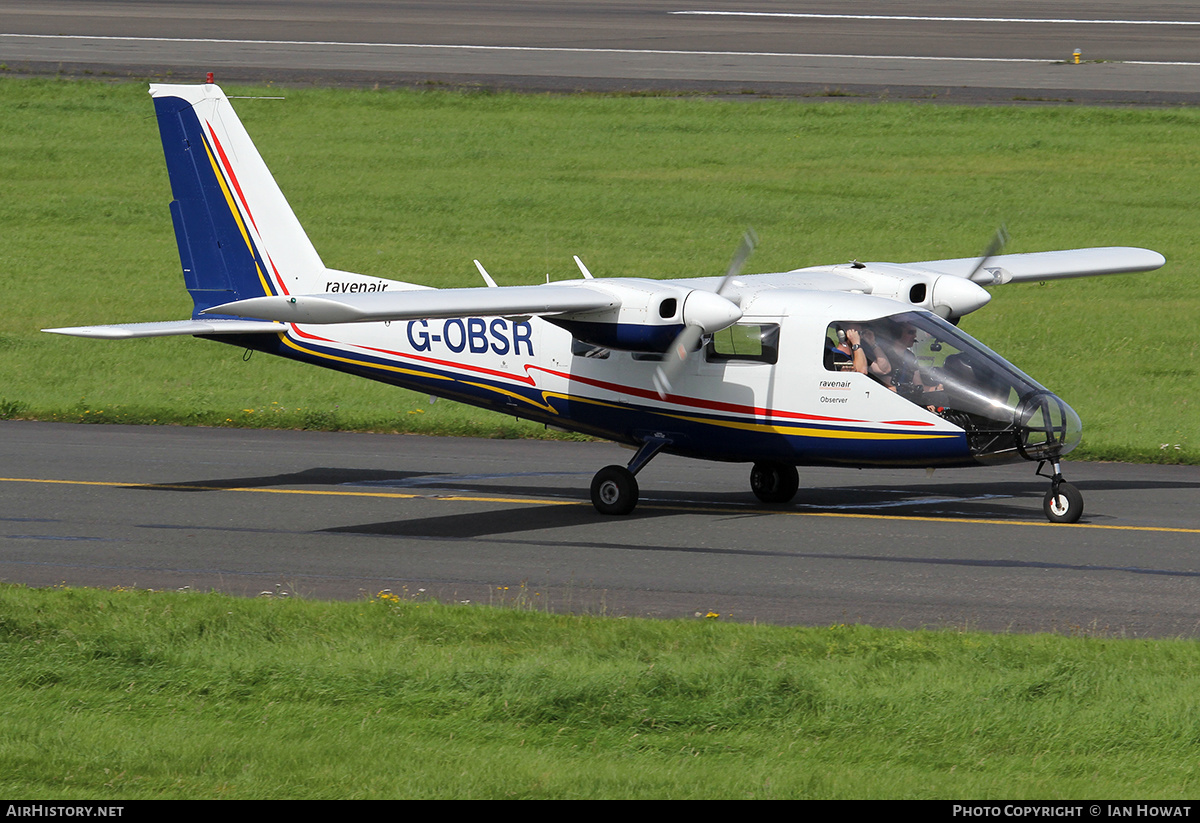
(1006, 414)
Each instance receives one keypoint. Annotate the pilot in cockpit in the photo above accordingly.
(898, 367)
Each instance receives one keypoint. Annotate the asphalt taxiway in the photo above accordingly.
(956, 50)
(344, 515)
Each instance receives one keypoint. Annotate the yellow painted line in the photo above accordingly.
(540, 501)
(319, 492)
(985, 521)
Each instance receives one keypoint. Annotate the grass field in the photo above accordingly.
(412, 185)
(122, 695)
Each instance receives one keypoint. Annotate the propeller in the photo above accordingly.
(953, 297)
(704, 312)
(999, 241)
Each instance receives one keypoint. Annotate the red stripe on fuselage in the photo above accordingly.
(712, 405)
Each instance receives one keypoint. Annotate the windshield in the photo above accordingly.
(1006, 413)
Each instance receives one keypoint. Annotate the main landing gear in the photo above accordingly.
(1063, 503)
(774, 482)
(615, 488)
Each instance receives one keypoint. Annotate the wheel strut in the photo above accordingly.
(1063, 503)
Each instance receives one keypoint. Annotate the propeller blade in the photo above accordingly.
(999, 241)
(744, 250)
(703, 312)
(675, 357)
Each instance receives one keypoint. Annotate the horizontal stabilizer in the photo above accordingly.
(1049, 265)
(170, 328)
(429, 304)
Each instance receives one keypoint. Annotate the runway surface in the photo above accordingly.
(346, 515)
(956, 50)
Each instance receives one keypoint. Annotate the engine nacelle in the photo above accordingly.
(945, 295)
(650, 316)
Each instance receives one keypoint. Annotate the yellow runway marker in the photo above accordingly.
(540, 501)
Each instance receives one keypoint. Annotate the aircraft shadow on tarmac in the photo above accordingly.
(308, 477)
(526, 518)
(985, 499)
(476, 525)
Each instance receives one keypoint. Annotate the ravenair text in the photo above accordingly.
(342, 287)
(472, 334)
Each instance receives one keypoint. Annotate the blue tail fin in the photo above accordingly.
(238, 237)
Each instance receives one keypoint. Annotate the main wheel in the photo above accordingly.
(1064, 505)
(614, 490)
(774, 482)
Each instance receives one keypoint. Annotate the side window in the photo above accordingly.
(748, 343)
(838, 355)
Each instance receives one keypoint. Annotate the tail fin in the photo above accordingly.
(238, 237)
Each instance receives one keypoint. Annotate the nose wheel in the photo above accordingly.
(1063, 503)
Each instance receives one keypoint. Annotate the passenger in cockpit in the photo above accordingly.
(848, 351)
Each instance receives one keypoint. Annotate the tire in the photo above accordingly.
(614, 490)
(774, 482)
(1064, 505)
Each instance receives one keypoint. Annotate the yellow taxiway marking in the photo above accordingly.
(544, 501)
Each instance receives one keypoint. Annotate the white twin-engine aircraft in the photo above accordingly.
(849, 365)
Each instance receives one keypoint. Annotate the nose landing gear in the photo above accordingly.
(1063, 503)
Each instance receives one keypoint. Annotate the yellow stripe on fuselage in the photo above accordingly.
(544, 406)
(290, 343)
(807, 431)
(770, 428)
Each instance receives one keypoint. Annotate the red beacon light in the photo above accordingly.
(208, 77)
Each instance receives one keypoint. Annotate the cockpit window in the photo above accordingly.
(758, 343)
(934, 365)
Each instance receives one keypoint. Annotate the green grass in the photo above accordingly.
(134, 694)
(413, 185)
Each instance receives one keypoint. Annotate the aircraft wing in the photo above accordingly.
(1049, 265)
(426, 304)
(170, 328)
